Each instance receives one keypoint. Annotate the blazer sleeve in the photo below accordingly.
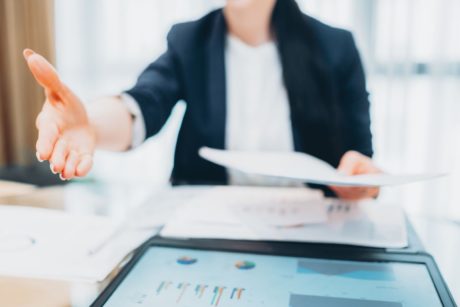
(354, 101)
(157, 90)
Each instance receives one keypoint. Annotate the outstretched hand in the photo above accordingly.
(65, 136)
(354, 163)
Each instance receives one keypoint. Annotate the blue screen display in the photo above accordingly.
(186, 277)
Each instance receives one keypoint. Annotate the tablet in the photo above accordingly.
(200, 273)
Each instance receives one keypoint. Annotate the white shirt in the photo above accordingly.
(258, 117)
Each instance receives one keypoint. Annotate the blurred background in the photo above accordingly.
(410, 49)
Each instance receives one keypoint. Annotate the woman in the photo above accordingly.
(256, 75)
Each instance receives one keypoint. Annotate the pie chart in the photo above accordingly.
(245, 265)
(186, 260)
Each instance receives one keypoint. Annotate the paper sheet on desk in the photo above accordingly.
(302, 167)
(44, 243)
(316, 219)
(274, 207)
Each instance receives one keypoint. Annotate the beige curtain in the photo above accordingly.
(23, 23)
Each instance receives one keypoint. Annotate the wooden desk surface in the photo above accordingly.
(441, 238)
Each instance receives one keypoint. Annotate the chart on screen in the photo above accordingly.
(170, 293)
(175, 277)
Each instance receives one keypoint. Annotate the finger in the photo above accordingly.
(70, 165)
(52, 97)
(59, 156)
(47, 137)
(372, 192)
(367, 167)
(347, 195)
(43, 71)
(83, 168)
(355, 193)
(349, 162)
(343, 192)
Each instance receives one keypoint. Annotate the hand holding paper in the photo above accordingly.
(302, 167)
(355, 163)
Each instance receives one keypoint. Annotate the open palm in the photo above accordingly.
(65, 136)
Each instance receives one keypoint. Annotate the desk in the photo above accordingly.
(112, 200)
(79, 197)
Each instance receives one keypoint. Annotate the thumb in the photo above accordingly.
(349, 163)
(43, 71)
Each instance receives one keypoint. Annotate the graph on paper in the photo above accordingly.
(179, 292)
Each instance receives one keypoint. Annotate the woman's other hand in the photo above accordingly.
(355, 163)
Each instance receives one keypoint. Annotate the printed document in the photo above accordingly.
(287, 214)
(302, 167)
(45, 243)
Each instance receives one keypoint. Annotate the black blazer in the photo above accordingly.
(193, 69)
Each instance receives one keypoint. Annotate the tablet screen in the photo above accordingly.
(186, 277)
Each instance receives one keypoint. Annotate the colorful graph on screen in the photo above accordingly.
(186, 260)
(245, 265)
(169, 291)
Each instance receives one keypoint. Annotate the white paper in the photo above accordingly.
(302, 167)
(162, 204)
(274, 207)
(44, 243)
(217, 214)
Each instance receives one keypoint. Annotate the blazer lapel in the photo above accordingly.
(216, 84)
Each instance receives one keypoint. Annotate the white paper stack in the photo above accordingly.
(44, 243)
(287, 214)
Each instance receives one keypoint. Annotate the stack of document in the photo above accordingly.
(52, 244)
(44, 243)
(287, 214)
